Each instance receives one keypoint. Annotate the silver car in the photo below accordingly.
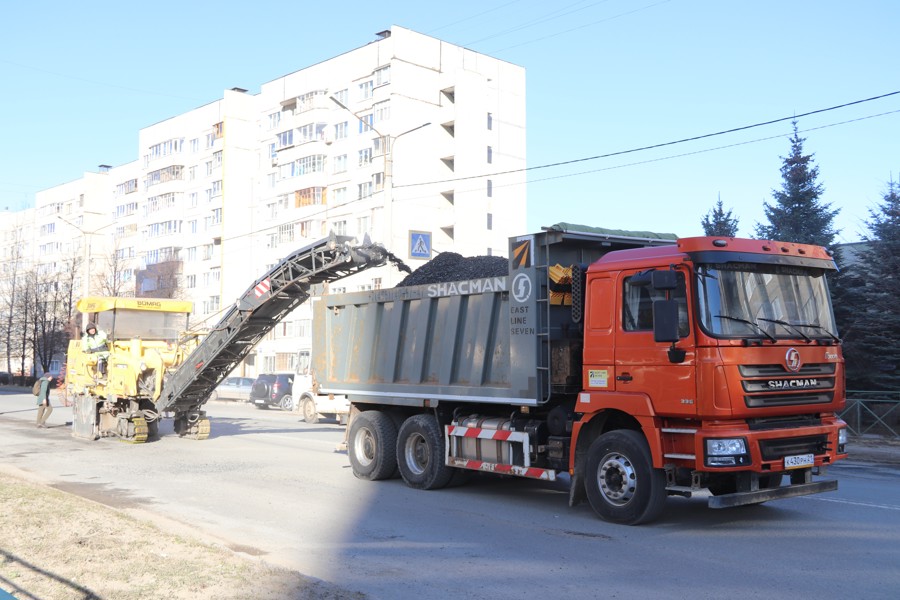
(233, 388)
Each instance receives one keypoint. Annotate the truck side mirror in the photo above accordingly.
(665, 321)
(664, 280)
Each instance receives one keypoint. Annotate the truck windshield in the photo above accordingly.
(767, 301)
(147, 325)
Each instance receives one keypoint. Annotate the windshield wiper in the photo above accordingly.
(788, 326)
(820, 328)
(750, 323)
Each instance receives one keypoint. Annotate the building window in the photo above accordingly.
(311, 132)
(378, 181)
(309, 196)
(383, 75)
(382, 112)
(340, 163)
(490, 154)
(127, 187)
(285, 139)
(340, 227)
(339, 196)
(365, 157)
(364, 90)
(171, 173)
(341, 130)
(363, 226)
(191, 281)
(379, 144)
(490, 188)
(364, 190)
(342, 96)
(365, 123)
(490, 221)
(490, 121)
(285, 233)
(274, 119)
(219, 129)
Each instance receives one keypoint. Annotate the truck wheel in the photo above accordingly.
(308, 408)
(373, 446)
(420, 454)
(621, 483)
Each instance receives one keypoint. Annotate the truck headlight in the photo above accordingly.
(727, 452)
(842, 439)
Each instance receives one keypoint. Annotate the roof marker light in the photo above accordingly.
(720, 243)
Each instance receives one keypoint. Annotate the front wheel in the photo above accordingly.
(621, 483)
(420, 454)
(372, 445)
(308, 408)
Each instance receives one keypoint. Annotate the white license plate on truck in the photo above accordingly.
(799, 461)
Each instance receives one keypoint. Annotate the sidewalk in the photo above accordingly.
(875, 449)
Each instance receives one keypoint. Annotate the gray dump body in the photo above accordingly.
(499, 340)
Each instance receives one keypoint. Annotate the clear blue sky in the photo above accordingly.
(79, 79)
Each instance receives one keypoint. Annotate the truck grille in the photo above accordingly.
(773, 385)
(779, 448)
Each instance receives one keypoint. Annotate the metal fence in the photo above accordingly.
(873, 413)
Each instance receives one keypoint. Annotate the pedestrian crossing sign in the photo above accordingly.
(420, 244)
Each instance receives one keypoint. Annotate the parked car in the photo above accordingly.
(233, 388)
(5, 377)
(273, 389)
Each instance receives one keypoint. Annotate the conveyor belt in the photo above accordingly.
(266, 302)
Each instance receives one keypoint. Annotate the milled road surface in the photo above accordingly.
(272, 486)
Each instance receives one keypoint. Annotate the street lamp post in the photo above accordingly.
(87, 235)
(388, 148)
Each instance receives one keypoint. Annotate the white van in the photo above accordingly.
(307, 399)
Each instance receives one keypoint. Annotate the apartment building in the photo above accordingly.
(415, 142)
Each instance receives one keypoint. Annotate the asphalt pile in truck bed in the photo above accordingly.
(450, 266)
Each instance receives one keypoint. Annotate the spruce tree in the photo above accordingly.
(798, 214)
(717, 222)
(873, 346)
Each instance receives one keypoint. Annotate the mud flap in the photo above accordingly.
(84, 417)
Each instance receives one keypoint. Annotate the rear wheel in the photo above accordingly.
(621, 483)
(286, 402)
(308, 408)
(372, 445)
(420, 454)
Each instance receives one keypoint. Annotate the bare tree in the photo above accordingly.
(57, 320)
(160, 280)
(113, 280)
(12, 280)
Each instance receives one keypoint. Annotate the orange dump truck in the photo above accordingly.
(638, 366)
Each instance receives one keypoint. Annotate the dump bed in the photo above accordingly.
(508, 340)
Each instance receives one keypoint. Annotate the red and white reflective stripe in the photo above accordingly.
(262, 287)
(487, 434)
(480, 465)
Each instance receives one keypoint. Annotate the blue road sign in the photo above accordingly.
(420, 244)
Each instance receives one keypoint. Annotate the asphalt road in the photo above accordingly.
(272, 486)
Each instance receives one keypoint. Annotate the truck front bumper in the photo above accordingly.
(758, 496)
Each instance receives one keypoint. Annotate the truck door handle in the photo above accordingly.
(624, 377)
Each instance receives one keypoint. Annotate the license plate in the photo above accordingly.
(799, 461)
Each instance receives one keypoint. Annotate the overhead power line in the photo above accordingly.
(655, 146)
